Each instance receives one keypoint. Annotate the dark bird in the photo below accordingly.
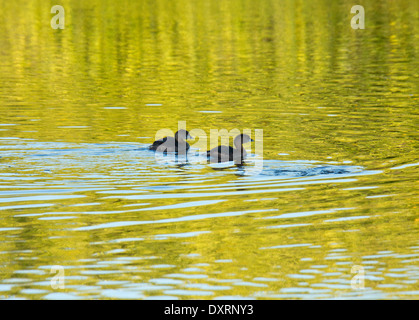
(170, 144)
(227, 153)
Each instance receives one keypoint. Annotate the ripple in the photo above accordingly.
(181, 219)
(112, 187)
(305, 214)
(289, 246)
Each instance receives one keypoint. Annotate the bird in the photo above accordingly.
(227, 153)
(170, 144)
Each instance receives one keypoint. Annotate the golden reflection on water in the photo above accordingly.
(79, 189)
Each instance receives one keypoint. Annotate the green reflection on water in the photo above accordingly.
(121, 71)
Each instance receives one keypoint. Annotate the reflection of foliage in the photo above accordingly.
(2, 271)
(247, 58)
(296, 69)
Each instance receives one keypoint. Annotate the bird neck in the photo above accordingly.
(238, 144)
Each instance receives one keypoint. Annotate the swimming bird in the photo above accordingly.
(227, 153)
(170, 144)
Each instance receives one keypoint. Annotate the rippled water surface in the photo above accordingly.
(335, 186)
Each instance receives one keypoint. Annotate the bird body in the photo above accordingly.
(172, 144)
(227, 153)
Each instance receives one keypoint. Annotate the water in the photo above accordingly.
(338, 189)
